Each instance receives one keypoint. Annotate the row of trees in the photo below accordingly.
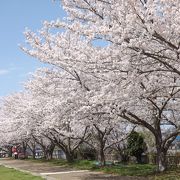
(115, 65)
(52, 112)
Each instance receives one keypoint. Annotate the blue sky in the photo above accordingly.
(15, 16)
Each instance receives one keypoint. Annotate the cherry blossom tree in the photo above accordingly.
(106, 129)
(61, 96)
(13, 117)
(70, 107)
(135, 70)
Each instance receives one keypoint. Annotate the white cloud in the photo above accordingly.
(4, 71)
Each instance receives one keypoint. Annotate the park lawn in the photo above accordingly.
(121, 169)
(12, 174)
(143, 170)
(172, 174)
(78, 164)
(130, 170)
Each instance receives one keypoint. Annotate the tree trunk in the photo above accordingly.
(32, 147)
(24, 147)
(10, 151)
(34, 154)
(161, 161)
(48, 154)
(139, 159)
(101, 151)
(48, 151)
(161, 154)
(102, 157)
(69, 156)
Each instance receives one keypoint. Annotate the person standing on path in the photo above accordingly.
(14, 150)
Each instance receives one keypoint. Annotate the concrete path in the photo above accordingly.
(52, 172)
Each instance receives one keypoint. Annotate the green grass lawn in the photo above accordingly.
(144, 170)
(172, 174)
(12, 174)
(127, 170)
(82, 164)
(130, 170)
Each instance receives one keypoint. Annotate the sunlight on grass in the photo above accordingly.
(12, 174)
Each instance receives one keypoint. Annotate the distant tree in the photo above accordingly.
(136, 145)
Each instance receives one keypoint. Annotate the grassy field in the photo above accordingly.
(12, 174)
(130, 170)
(173, 174)
(143, 170)
(83, 164)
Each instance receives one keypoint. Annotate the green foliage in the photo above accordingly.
(136, 145)
(12, 174)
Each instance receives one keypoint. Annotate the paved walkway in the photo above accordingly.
(51, 172)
